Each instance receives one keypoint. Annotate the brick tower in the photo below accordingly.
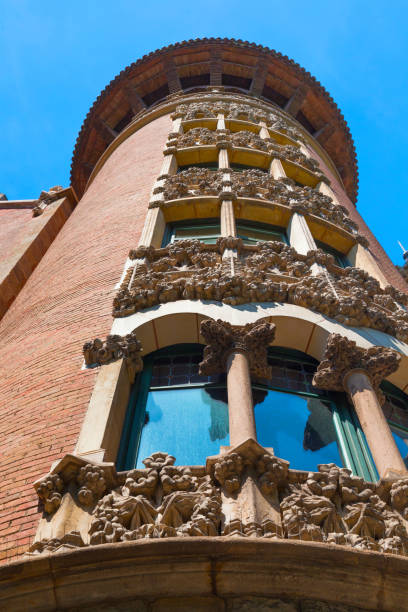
(203, 355)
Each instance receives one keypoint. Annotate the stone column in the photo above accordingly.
(240, 351)
(240, 404)
(359, 372)
(374, 424)
(276, 169)
(299, 234)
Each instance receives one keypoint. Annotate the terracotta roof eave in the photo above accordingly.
(304, 75)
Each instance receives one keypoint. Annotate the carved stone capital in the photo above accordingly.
(343, 355)
(99, 352)
(223, 338)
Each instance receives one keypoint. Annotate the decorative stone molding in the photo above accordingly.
(244, 139)
(266, 272)
(240, 112)
(247, 492)
(343, 355)
(194, 137)
(222, 338)
(45, 199)
(99, 352)
(255, 183)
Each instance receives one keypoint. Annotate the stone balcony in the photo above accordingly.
(245, 491)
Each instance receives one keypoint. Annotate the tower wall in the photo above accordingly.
(67, 300)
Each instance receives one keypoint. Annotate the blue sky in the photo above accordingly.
(56, 57)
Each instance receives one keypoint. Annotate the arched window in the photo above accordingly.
(174, 409)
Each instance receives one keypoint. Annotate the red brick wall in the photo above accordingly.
(66, 301)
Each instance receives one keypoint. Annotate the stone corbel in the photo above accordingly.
(68, 496)
(359, 372)
(249, 477)
(45, 199)
(99, 352)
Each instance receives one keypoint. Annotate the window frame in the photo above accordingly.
(339, 257)
(168, 237)
(352, 444)
(391, 391)
(136, 411)
(169, 233)
(255, 225)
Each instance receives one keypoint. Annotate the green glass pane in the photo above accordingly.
(189, 424)
(401, 440)
(298, 429)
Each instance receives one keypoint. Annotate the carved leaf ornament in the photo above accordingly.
(164, 500)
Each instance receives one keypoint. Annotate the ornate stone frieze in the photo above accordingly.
(247, 492)
(276, 120)
(243, 139)
(45, 199)
(222, 338)
(343, 355)
(266, 272)
(335, 507)
(257, 184)
(194, 137)
(99, 352)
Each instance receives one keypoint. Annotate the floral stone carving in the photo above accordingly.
(266, 272)
(246, 491)
(114, 347)
(343, 355)
(238, 111)
(255, 183)
(335, 507)
(222, 339)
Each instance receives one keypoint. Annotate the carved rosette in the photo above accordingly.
(223, 338)
(343, 355)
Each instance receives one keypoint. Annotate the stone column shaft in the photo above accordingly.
(276, 169)
(240, 404)
(385, 453)
(228, 227)
(360, 371)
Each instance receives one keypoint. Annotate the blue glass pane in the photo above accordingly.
(299, 429)
(401, 440)
(189, 424)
